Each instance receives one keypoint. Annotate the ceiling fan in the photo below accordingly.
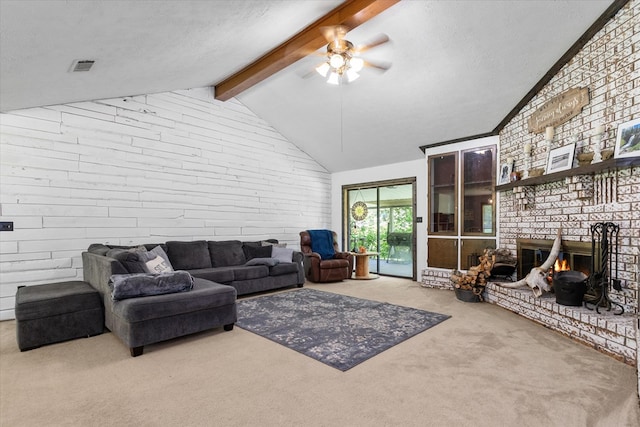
(343, 60)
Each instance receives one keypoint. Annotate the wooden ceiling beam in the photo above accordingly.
(350, 13)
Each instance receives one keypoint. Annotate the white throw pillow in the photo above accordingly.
(279, 245)
(158, 265)
(282, 254)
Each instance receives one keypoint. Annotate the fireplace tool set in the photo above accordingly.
(604, 252)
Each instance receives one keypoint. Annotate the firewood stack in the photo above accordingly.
(475, 279)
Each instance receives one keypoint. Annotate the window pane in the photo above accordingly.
(478, 191)
(442, 253)
(363, 232)
(442, 194)
(396, 230)
(472, 249)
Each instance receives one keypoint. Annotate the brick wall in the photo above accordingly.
(168, 166)
(608, 65)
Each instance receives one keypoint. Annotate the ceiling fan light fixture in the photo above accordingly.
(342, 63)
(323, 69)
(334, 78)
(352, 75)
(337, 61)
(356, 64)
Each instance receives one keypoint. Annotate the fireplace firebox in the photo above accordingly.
(533, 252)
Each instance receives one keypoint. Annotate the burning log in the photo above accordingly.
(475, 279)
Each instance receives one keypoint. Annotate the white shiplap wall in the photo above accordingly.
(151, 168)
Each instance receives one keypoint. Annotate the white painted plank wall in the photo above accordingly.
(143, 169)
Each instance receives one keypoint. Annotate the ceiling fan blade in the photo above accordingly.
(334, 32)
(378, 65)
(379, 40)
(308, 70)
(308, 74)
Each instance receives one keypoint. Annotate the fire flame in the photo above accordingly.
(561, 265)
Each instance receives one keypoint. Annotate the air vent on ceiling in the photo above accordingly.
(82, 65)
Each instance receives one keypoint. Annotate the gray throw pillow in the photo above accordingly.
(129, 258)
(270, 262)
(125, 286)
(251, 252)
(98, 248)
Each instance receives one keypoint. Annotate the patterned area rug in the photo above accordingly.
(338, 330)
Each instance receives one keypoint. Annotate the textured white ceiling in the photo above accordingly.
(458, 67)
(140, 46)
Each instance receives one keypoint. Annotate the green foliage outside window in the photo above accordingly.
(394, 220)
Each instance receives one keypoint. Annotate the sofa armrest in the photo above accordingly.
(97, 269)
(346, 255)
(298, 258)
(311, 263)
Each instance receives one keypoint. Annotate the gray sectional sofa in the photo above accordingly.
(221, 271)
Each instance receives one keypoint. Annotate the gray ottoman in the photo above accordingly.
(56, 312)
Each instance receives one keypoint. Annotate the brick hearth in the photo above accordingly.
(608, 333)
(611, 334)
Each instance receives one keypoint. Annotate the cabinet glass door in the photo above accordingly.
(461, 204)
(478, 192)
(443, 194)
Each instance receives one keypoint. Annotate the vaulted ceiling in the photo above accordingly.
(458, 67)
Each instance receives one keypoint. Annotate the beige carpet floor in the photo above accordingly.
(483, 367)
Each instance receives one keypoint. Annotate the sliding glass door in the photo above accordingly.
(379, 218)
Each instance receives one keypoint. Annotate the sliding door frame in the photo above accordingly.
(377, 185)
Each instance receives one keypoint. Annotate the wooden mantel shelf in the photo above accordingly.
(611, 164)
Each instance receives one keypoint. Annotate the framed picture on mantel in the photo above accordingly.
(560, 159)
(505, 171)
(628, 140)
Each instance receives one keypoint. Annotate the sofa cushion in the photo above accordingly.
(53, 299)
(219, 275)
(203, 296)
(251, 251)
(189, 255)
(284, 268)
(225, 253)
(260, 242)
(125, 286)
(334, 263)
(250, 272)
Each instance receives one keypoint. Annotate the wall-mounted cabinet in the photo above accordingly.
(461, 207)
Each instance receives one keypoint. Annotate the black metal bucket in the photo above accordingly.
(467, 295)
(569, 287)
